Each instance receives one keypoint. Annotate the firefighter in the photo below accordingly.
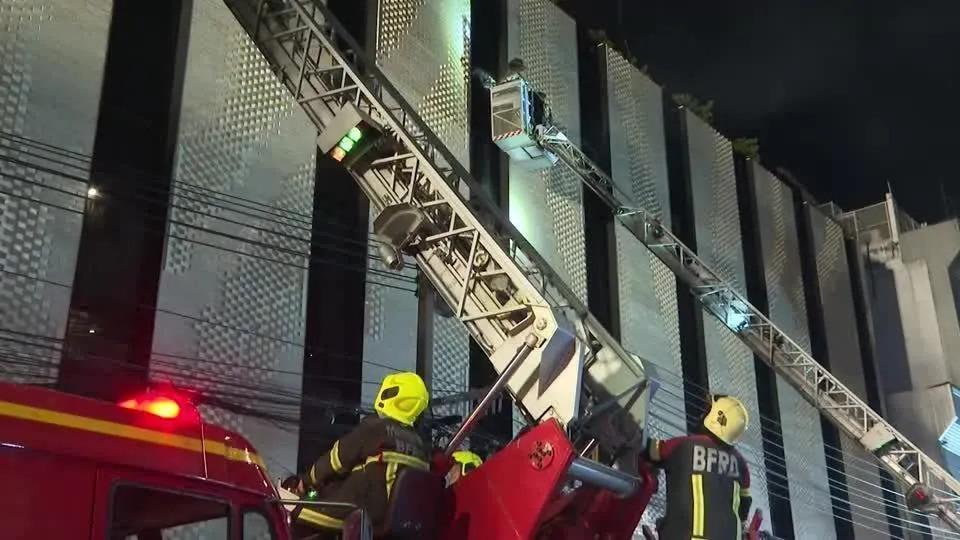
(362, 467)
(708, 483)
(464, 462)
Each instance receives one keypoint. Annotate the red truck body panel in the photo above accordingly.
(48, 421)
(61, 457)
(517, 494)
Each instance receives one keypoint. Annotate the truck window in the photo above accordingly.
(256, 526)
(141, 513)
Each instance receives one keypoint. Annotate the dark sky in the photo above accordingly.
(847, 95)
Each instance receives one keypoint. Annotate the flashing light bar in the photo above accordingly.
(157, 405)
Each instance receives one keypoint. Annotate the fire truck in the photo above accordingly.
(150, 468)
(143, 469)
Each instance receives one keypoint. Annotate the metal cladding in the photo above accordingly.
(730, 363)
(48, 48)
(237, 305)
(547, 206)
(647, 288)
(799, 421)
(843, 348)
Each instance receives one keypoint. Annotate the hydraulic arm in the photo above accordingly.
(525, 317)
(915, 471)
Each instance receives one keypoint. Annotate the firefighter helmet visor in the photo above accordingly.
(402, 397)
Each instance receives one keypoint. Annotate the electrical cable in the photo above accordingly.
(280, 262)
(453, 389)
(164, 197)
(154, 179)
(776, 430)
(389, 274)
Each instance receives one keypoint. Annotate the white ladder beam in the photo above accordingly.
(904, 460)
(324, 70)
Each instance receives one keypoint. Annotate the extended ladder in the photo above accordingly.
(496, 284)
(916, 471)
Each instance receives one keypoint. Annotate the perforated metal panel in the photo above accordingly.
(800, 422)
(647, 288)
(51, 70)
(717, 215)
(424, 48)
(231, 311)
(547, 206)
(846, 363)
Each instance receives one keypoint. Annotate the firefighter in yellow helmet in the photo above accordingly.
(464, 462)
(707, 479)
(362, 467)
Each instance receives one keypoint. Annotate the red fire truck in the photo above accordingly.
(77, 468)
(149, 468)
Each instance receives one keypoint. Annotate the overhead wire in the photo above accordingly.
(773, 427)
(210, 322)
(269, 209)
(386, 274)
(454, 388)
(221, 247)
(832, 463)
(294, 419)
(769, 457)
(164, 196)
(248, 241)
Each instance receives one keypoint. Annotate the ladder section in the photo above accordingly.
(430, 208)
(914, 469)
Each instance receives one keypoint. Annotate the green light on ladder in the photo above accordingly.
(346, 144)
(355, 134)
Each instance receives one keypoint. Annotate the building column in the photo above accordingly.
(818, 344)
(336, 293)
(696, 382)
(110, 326)
(488, 50)
(768, 402)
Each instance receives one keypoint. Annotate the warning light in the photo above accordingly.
(161, 406)
(346, 143)
(355, 140)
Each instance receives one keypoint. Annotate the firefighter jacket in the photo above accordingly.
(361, 469)
(708, 488)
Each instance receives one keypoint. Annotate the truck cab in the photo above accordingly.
(146, 469)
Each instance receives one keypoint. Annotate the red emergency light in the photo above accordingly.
(162, 405)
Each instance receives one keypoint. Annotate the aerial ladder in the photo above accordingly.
(523, 128)
(547, 348)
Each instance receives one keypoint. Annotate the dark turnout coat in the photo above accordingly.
(708, 488)
(361, 468)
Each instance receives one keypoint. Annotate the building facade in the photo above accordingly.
(256, 280)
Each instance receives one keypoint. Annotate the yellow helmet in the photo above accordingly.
(727, 419)
(402, 397)
(468, 460)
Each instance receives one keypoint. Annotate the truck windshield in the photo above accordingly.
(141, 513)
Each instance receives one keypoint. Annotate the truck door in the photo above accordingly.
(133, 504)
(44, 496)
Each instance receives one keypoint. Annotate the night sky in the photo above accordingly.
(846, 95)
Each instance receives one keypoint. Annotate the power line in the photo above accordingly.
(216, 233)
(155, 180)
(293, 252)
